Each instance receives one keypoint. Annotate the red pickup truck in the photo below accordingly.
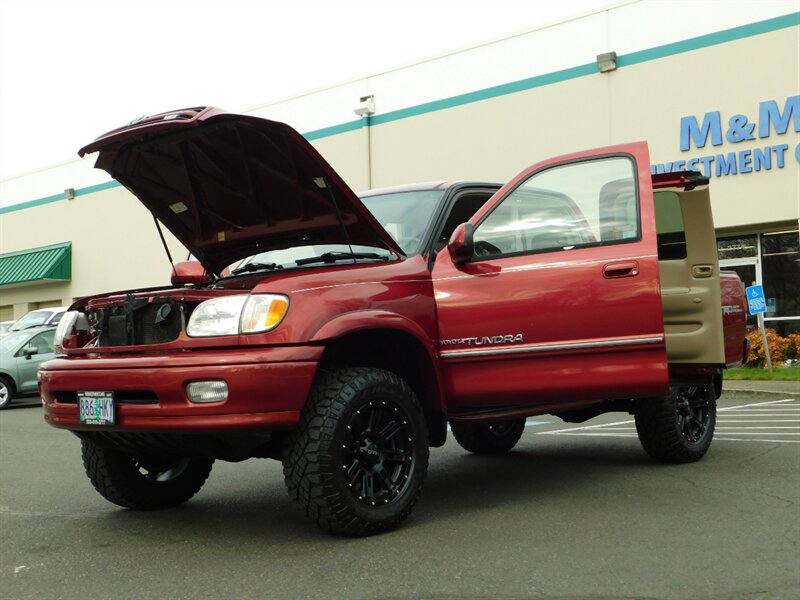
(342, 335)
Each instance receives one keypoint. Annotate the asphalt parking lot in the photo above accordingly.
(576, 511)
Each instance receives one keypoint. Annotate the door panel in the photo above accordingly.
(689, 273)
(561, 300)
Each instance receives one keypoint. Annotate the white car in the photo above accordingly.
(5, 326)
(38, 318)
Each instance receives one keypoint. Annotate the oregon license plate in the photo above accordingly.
(96, 408)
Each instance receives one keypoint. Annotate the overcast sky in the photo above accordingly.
(70, 70)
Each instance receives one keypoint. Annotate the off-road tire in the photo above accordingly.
(356, 462)
(488, 438)
(143, 483)
(678, 428)
(6, 392)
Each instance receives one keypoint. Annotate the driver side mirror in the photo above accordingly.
(29, 351)
(189, 272)
(461, 245)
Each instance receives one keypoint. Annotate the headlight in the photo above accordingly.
(231, 315)
(71, 322)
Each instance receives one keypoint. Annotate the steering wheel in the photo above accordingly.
(483, 248)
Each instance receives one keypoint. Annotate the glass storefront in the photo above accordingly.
(771, 259)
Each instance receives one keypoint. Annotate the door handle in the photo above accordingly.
(702, 271)
(621, 269)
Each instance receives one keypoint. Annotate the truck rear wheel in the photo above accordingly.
(356, 462)
(143, 482)
(488, 438)
(678, 428)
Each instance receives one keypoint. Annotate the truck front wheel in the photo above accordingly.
(356, 462)
(488, 438)
(678, 428)
(143, 482)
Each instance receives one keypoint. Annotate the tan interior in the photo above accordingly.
(690, 287)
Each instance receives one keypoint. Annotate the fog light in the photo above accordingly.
(207, 391)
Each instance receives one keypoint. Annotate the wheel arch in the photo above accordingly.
(388, 341)
(9, 378)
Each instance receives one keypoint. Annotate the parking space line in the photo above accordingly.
(727, 439)
(527, 424)
(755, 414)
(763, 421)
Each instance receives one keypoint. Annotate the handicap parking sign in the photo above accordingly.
(756, 303)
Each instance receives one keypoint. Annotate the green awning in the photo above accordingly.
(46, 263)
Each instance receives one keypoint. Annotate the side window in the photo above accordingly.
(578, 204)
(671, 234)
(41, 343)
(464, 207)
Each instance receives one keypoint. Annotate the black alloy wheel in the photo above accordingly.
(378, 453)
(678, 428)
(356, 462)
(693, 414)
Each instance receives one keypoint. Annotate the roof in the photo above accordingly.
(46, 263)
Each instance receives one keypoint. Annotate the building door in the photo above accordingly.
(750, 274)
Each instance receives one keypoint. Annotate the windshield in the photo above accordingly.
(32, 319)
(288, 257)
(405, 215)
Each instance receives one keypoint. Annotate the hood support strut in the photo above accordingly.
(164, 242)
(322, 182)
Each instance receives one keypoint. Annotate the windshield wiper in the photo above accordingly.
(332, 257)
(256, 266)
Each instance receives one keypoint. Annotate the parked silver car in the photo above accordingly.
(5, 326)
(21, 353)
(39, 317)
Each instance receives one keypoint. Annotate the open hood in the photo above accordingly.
(228, 185)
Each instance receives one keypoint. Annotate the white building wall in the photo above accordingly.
(480, 113)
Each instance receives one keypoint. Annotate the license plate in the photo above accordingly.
(96, 408)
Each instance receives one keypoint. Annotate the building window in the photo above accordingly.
(738, 247)
(780, 270)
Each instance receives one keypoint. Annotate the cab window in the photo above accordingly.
(564, 207)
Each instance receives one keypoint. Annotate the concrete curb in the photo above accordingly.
(771, 390)
(752, 394)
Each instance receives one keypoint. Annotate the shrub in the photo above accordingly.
(793, 351)
(779, 348)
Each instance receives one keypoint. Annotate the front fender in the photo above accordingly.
(371, 319)
(359, 320)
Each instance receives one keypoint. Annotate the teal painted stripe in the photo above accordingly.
(703, 41)
(58, 197)
(97, 188)
(31, 203)
(487, 93)
(642, 56)
(333, 130)
(710, 39)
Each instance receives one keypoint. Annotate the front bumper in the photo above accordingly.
(267, 389)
